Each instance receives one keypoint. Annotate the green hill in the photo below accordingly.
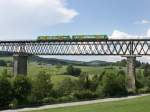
(54, 61)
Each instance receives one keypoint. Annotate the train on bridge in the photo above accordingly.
(74, 37)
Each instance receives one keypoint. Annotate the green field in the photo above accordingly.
(57, 74)
(132, 105)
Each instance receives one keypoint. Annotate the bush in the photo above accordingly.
(146, 71)
(141, 81)
(99, 91)
(42, 86)
(68, 98)
(73, 71)
(3, 63)
(5, 92)
(88, 83)
(85, 95)
(13, 104)
(84, 82)
(143, 90)
(66, 87)
(49, 100)
(113, 85)
(21, 88)
(6, 74)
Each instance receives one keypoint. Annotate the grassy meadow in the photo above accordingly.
(132, 105)
(58, 72)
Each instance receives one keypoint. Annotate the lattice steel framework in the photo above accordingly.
(136, 47)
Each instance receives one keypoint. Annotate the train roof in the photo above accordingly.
(84, 36)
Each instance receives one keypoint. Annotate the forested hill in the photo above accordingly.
(54, 61)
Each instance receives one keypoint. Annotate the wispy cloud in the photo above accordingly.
(144, 21)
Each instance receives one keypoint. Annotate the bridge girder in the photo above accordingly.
(103, 47)
(130, 48)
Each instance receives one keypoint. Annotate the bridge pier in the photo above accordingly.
(20, 64)
(131, 72)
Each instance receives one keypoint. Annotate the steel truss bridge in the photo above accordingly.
(131, 48)
(136, 47)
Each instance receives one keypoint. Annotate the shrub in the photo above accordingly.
(84, 82)
(73, 71)
(49, 100)
(143, 90)
(6, 74)
(42, 86)
(5, 92)
(141, 81)
(88, 83)
(13, 104)
(67, 98)
(85, 94)
(114, 85)
(66, 87)
(21, 88)
(3, 63)
(146, 71)
(99, 91)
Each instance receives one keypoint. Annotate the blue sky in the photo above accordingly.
(27, 19)
(105, 16)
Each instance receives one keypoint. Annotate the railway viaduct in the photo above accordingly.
(130, 48)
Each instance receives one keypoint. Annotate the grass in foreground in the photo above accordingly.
(132, 105)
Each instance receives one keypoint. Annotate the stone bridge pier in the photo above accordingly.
(131, 74)
(20, 64)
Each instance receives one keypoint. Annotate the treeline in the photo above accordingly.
(5, 63)
(123, 63)
(42, 61)
(19, 91)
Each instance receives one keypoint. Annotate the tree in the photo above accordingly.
(70, 69)
(73, 71)
(146, 71)
(21, 88)
(42, 86)
(84, 82)
(5, 92)
(66, 87)
(137, 64)
(6, 74)
(113, 85)
(3, 63)
(77, 71)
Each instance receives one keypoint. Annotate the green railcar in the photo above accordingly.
(84, 37)
(74, 37)
(44, 38)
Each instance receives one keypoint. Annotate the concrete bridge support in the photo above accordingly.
(20, 65)
(131, 72)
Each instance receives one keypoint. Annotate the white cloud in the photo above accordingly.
(119, 35)
(116, 34)
(19, 17)
(148, 33)
(144, 21)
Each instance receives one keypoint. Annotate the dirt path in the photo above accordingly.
(75, 103)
